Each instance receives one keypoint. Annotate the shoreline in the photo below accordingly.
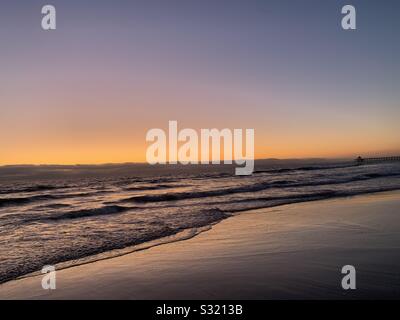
(243, 246)
(183, 235)
(180, 236)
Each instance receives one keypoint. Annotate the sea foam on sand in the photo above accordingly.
(290, 252)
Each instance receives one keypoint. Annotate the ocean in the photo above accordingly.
(69, 215)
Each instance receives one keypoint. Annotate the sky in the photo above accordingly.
(89, 91)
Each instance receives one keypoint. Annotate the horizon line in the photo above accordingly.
(146, 163)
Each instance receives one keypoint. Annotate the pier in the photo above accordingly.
(361, 160)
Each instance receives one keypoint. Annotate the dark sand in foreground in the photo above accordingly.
(288, 252)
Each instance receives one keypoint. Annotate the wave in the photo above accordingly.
(296, 198)
(252, 188)
(68, 215)
(100, 225)
(35, 188)
(106, 210)
(25, 200)
(204, 219)
(52, 206)
(16, 201)
(185, 234)
(308, 168)
(156, 187)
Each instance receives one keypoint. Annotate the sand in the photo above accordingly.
(289, 252)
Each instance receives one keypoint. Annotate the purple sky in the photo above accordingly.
(88, 91)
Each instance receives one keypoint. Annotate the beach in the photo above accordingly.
(293, 251)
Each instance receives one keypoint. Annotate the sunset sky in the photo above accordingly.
(89, 91)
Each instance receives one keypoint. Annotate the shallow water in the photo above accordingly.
(73, 216)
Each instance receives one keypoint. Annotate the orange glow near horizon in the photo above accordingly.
(88, 92)
(104, 149)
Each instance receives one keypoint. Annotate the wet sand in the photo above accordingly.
(288, 252)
